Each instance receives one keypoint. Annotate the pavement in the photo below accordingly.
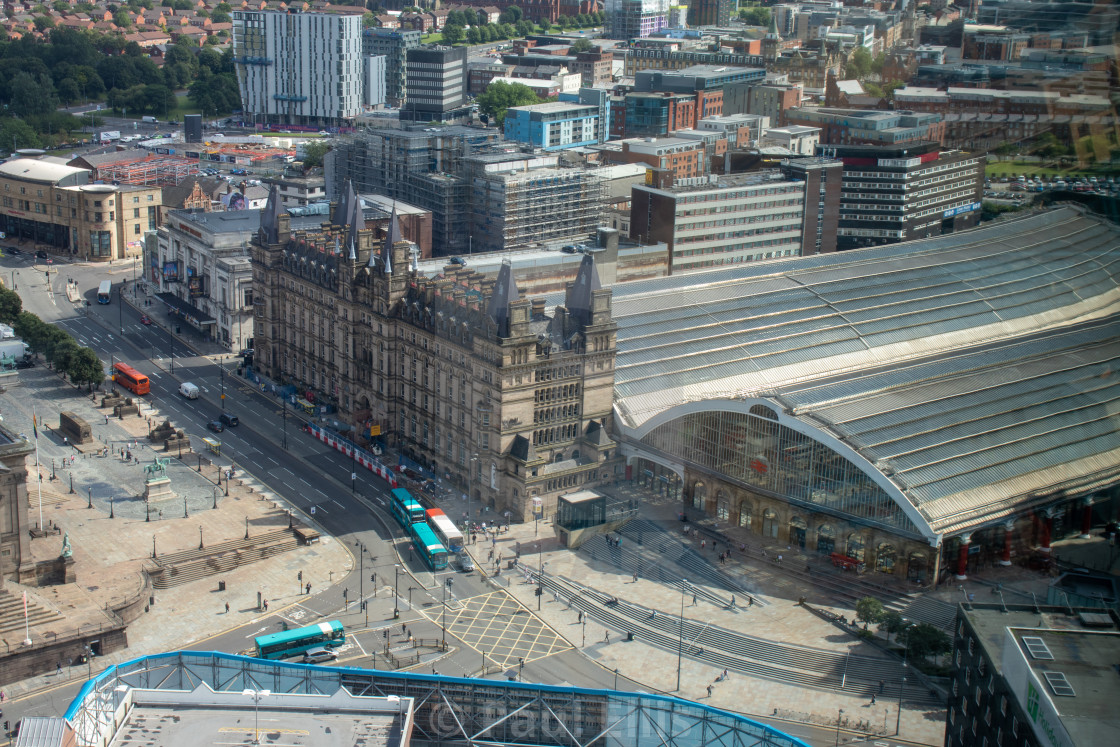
(109, 571)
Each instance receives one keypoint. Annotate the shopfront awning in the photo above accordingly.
(188, 311)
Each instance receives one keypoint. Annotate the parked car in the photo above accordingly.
(15, 252)
(25, 363)
(238, 172)
(216, 426)
(41, 254)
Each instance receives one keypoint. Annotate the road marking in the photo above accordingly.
(273, 461)
(320, 507)
(154, 375)
(337, 503)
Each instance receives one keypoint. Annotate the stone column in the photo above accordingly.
(1005, 558)
(962, 557)
(1047, 528)
(1087, 518)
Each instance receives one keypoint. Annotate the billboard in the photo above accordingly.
(234, 201)
(171, 272)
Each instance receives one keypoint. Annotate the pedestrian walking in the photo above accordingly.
(3, 697)
(491, 555)
(882, 684)
(579, 616)
(266, 605)
(694, 602)
(635, 578)
(308, 587)
(709, 691)
(703, 543)
(725, 674)
(872, 698)
(59, 665)
(404, 629)
(750, 601)
(227, 608)
(607, 637)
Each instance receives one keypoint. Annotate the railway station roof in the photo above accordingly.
(974, 370)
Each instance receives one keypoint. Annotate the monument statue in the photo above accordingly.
(157, 469)
(67, 551)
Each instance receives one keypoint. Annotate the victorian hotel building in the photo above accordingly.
(487, 389)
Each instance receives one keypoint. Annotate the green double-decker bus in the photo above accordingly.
(291, 642)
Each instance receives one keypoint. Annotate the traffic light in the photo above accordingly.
(373, 577)
(300, 576)
(386, 633)
(538, 591)
(345, 593)
(48, 274)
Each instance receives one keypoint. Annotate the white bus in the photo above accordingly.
(448, 535)
(105, 291)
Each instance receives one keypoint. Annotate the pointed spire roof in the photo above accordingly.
(394, 234)
(270, 217)
(342, 207)
(354, 220)
(505, 291)
(579, 293)
(772, 31)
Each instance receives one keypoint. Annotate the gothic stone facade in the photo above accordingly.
(462, 375)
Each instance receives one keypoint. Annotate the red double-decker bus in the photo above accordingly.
(131, 379)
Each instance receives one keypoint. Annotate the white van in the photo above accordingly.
(188, 390)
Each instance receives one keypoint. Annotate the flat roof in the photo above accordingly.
(972, 372)
(171, 726)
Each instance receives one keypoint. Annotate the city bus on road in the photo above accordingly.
(105, 291)
(428, 546)
(405, 507)
(131, 379)
(445, 529)
(291, 642)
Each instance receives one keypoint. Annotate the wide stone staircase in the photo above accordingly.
(11, 613)
(176, 569)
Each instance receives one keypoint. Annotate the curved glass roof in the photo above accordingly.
(929, 355)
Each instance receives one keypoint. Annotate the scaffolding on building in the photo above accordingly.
(523, 209)
(152, 171)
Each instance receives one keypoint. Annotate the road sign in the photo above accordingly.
(374, 430)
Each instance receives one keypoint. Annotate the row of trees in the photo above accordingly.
(61, 350)
(500, 96)
(921, 641)
(511, 24)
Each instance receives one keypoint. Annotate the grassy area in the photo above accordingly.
(1028, 168)
(431, 38)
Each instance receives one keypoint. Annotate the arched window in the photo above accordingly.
(884, 558)
(797, 531)
(826, 540)
(699, 495)
(854, 547)
(769, 523)
(745, 515)
(723, 506)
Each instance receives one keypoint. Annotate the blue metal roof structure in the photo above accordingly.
(446, 709)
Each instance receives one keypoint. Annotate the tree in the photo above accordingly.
(859, 64)
(221, 16)
(33, 95)
(61, 352)
(32, 330)
(453, 34)
(500, 96)
(86, 368)
(42, 23)
(583, 45)
(869, 610)
(924, 640)
(11, 305)
(512, 14)
(61, 6)
(474, 36)
(314, 152)
(122, 19)
(68, 91)
(891, 623)
(1006, 149)
(755, 16)
(18, 133)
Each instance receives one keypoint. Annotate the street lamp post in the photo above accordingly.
(680, 636)
(616, 678)
(443, 623)
(153, 546)
(185, 514)
(246, 527)
(111, 505)
(898, 718)
(840, 715)
(583, 640)
(396, 577)
(120, 307)
(257, 696)
(521, 668)
(214, 489)
(470, 517)
(89, 492)
(200, 543)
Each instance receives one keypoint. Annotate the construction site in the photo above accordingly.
(152, 170)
